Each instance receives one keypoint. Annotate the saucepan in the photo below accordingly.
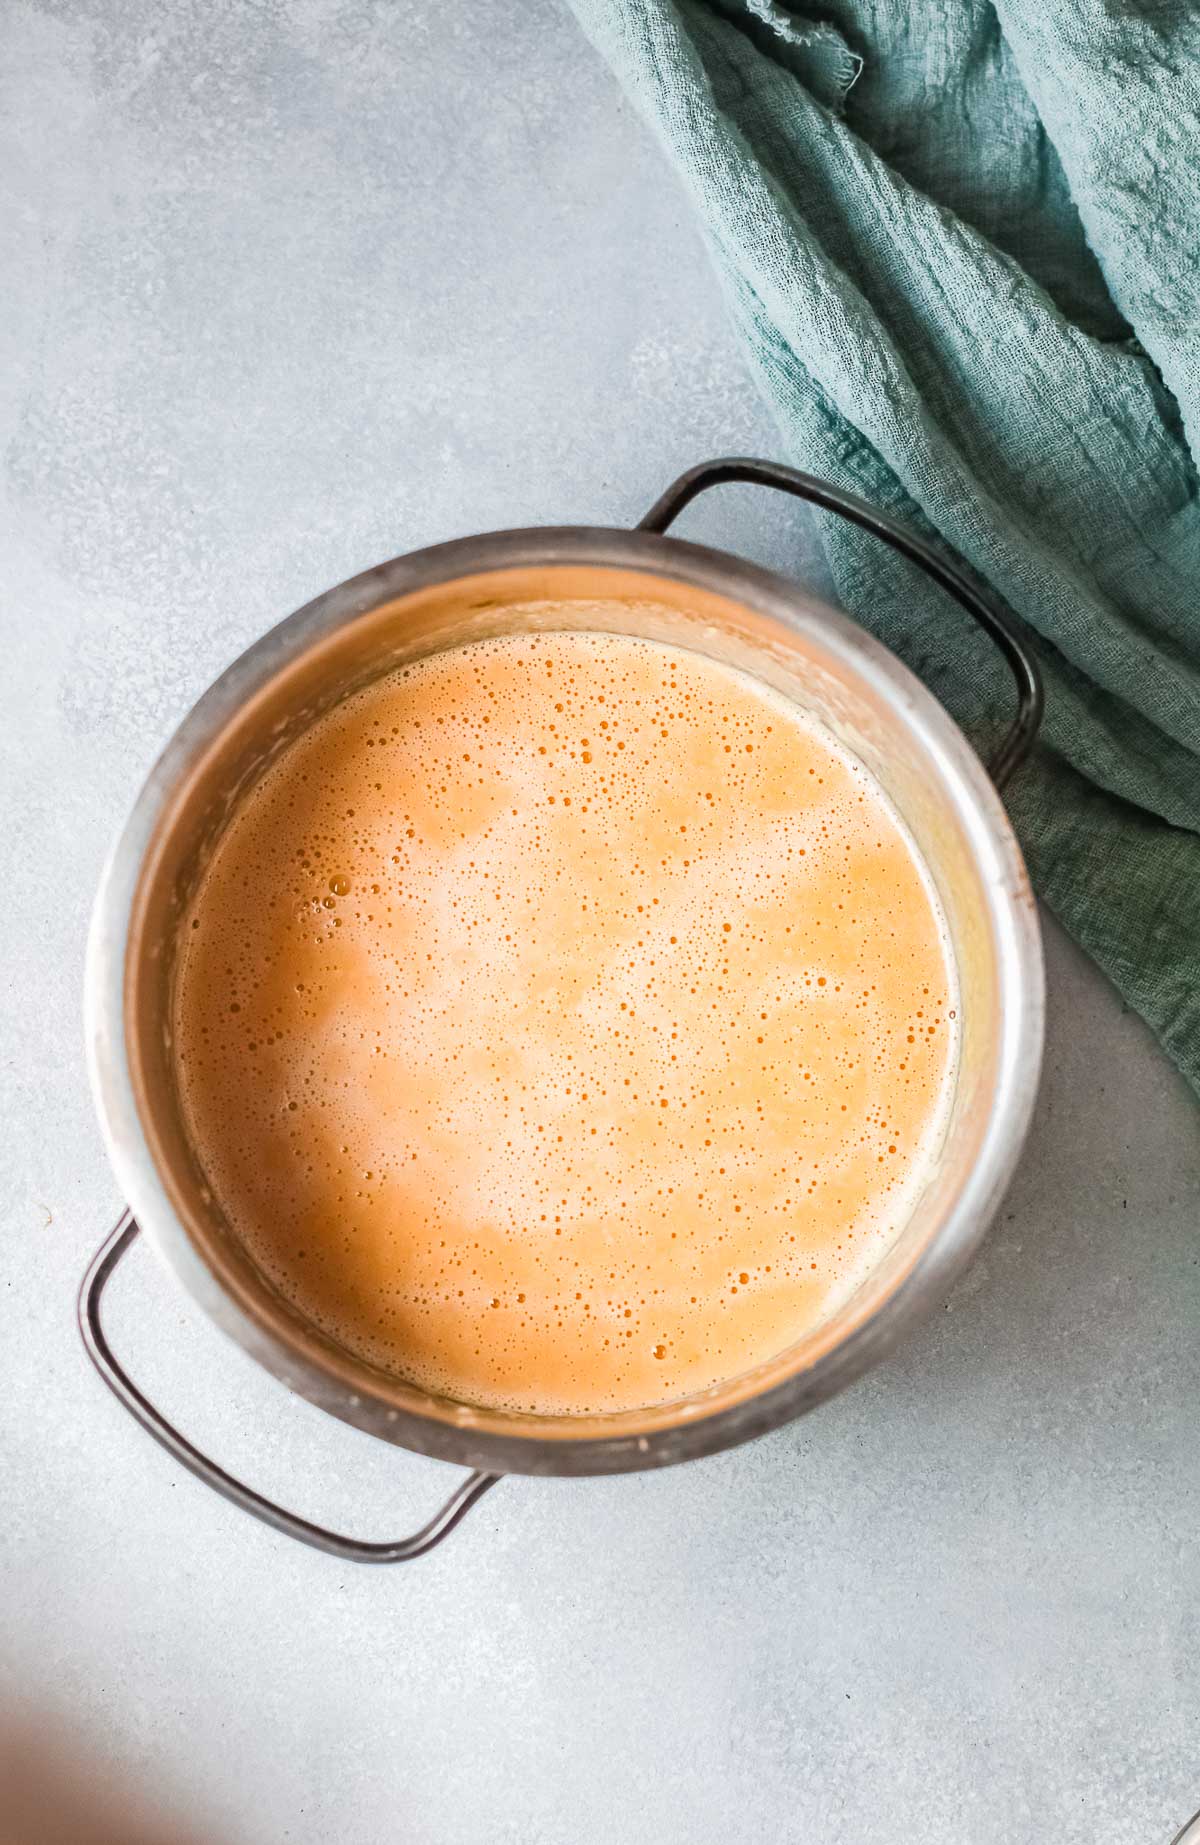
(639, 582)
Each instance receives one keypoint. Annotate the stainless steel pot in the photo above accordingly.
(633, 581)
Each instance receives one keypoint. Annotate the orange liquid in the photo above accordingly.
(565, 1023)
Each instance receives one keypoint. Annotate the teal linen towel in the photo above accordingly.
(962, 247)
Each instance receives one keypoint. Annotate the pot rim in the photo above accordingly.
(345, 1386)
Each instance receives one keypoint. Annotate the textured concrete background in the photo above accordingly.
(292, 285)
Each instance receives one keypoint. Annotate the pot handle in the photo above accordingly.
(993, 619)
(351, 1550)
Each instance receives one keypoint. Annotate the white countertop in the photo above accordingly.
(293, 287)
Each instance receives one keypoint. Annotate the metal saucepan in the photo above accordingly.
(644, 583)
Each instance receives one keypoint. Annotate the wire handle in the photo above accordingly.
(351, 1550)
(994, 620)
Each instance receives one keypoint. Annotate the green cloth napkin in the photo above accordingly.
(962, 247)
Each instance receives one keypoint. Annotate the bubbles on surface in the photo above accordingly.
(565, 1022)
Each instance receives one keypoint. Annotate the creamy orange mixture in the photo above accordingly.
(564, 1022)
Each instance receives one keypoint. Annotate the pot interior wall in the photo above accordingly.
(310, 663)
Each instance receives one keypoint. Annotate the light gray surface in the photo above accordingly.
(291, 287)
